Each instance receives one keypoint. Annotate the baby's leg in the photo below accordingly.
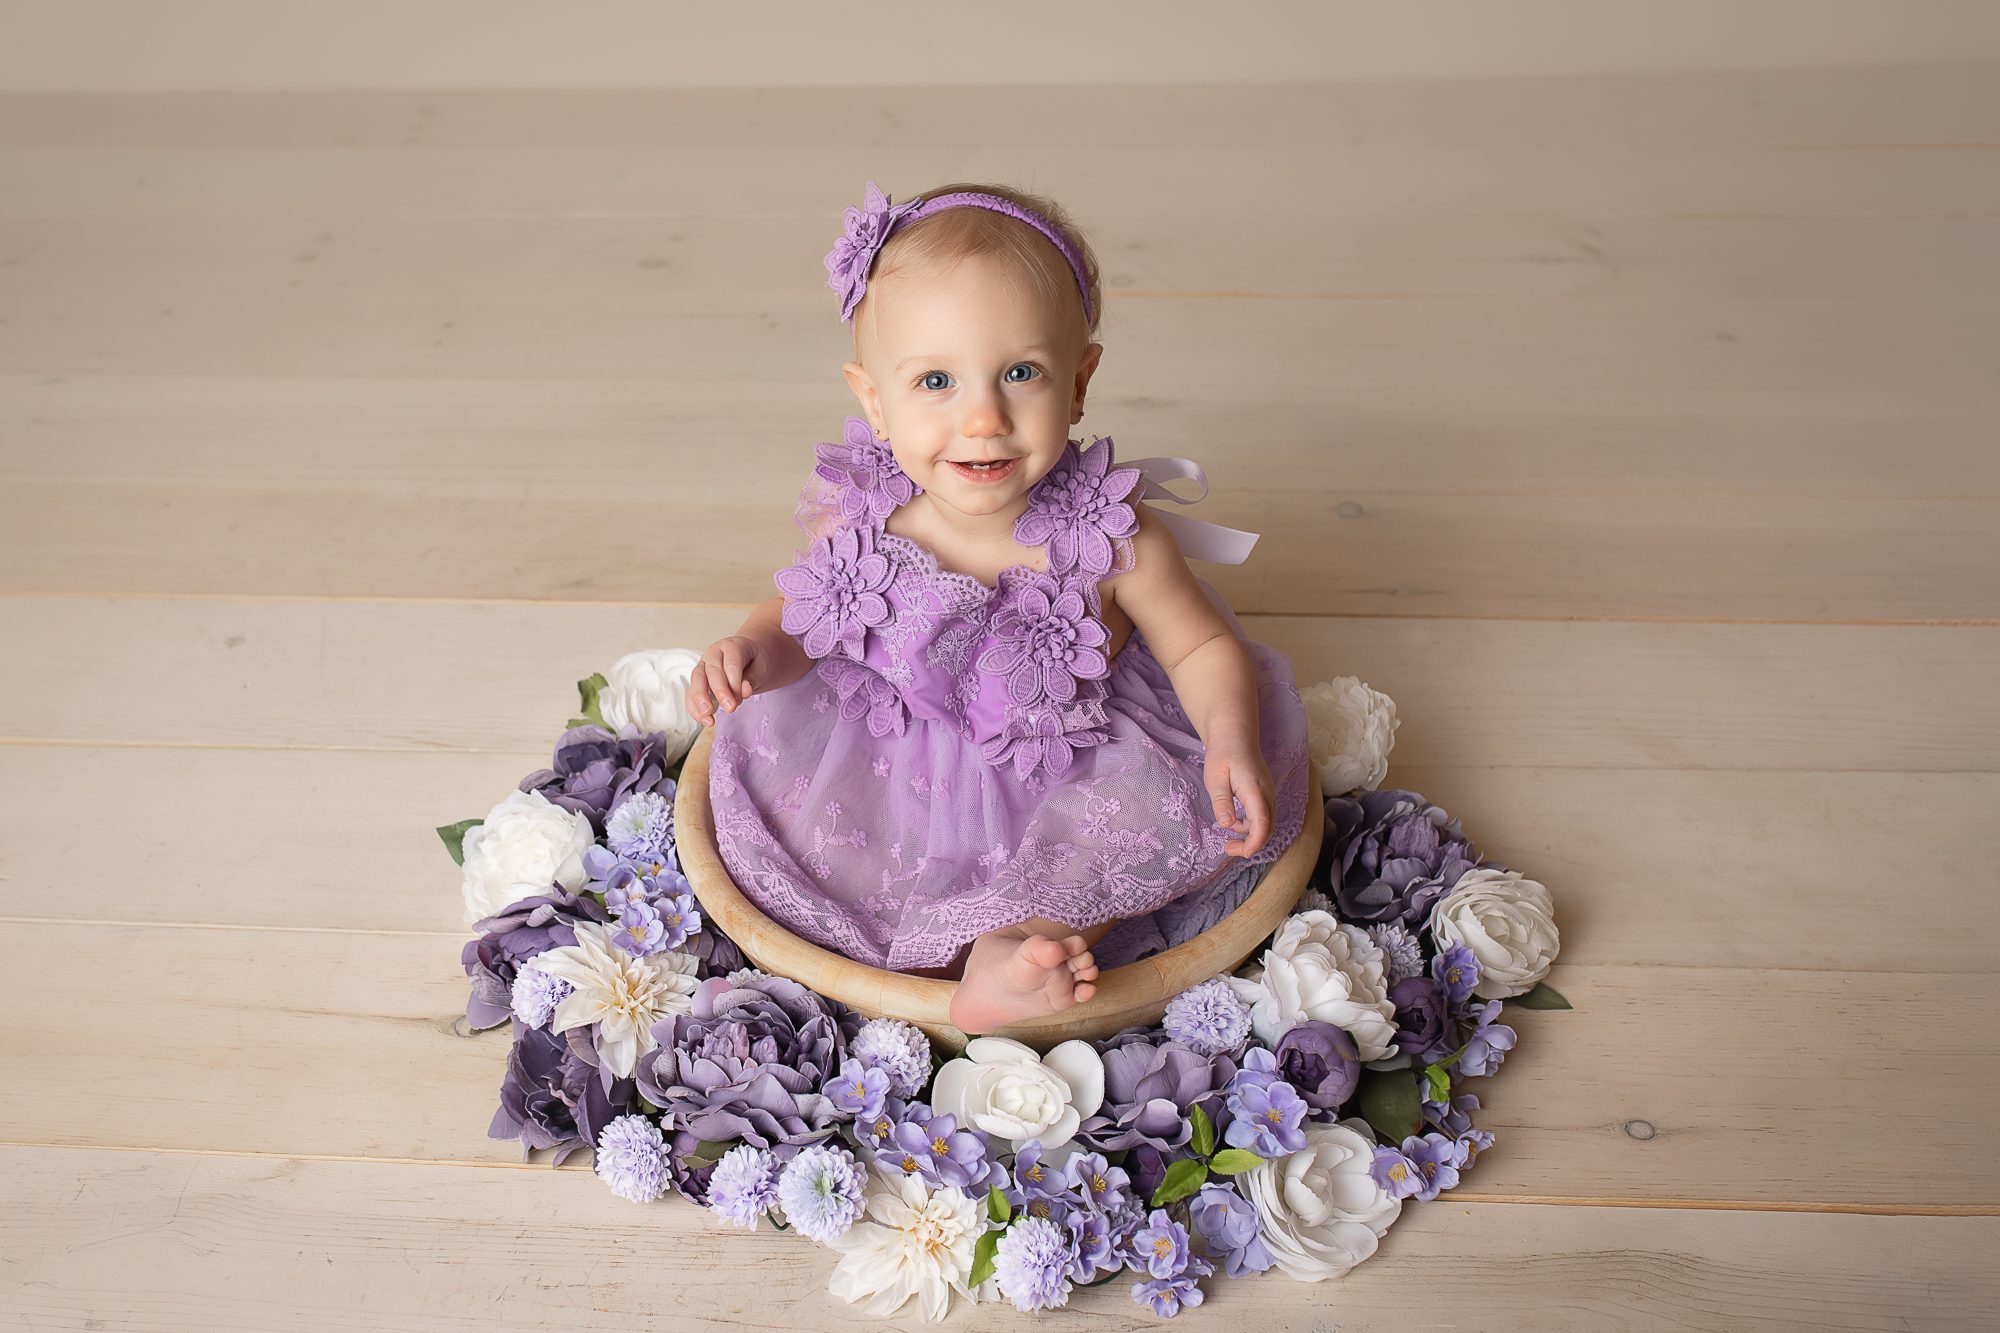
(1026, 970)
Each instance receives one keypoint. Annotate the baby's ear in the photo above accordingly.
(863, 386)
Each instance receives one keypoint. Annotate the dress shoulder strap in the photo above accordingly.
(853, 480)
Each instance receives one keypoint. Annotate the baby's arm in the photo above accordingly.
(759, 656)
(1211, 673)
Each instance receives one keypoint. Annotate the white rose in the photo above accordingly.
(526, 844)
(647, 692)
(1319, 1211)
(1322, 969)
(1350, 730)
(1005, 1088)
(1508, 922)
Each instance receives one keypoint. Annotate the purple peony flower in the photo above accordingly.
(1078, 507)
(1033, 1262)
(1226, 1224)
(1209, 1017)
(1151, 1083)
(552, 1098)
(865, 230)
(1390, 855)
(1321, 1061)
(492, 960)
(1045, 639)
(1424, 1026)
(872, 484)
(595, 771)
(747, 1062)
(865, 694)
(836, 592)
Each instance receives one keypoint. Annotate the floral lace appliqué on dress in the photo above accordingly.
(988, 760)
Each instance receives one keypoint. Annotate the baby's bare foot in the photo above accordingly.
(1009, 979)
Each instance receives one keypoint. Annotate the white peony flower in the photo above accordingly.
(526, 844)
(622, 993)
(1320, 968)
(1351, 729)
(911, 1240)
(1318, 1210)
(1003, 1087)
(1508, 922)
(647, 692)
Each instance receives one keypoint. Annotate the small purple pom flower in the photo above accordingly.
(1402, 952)
(1208, 1017)
(897, 1048)
(640, 828)
(1033, 1262)
(536, 995)
(632, 1158)
(822, 1191)
(744, 1186)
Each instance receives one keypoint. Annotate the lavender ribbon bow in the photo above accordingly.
(1199, 539)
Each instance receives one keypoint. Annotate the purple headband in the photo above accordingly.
(870, 227)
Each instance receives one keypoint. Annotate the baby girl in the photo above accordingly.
(989, 715)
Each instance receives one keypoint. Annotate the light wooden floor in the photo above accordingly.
(1637, 435)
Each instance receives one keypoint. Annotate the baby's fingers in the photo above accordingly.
(1219, 793)
(701, 706)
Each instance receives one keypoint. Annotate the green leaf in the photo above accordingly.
(454, 837)
(776, 1223)
(982, 1257)
(1439, 1080)
(1204, 1131)
(707, 1154)
(1543, 996)
(649, 1107)
(1235, 1161)
(587, 690)
(1182, 1179)
(997, 1206)
(1390, 1103)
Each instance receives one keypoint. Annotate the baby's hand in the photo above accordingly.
(1233, 772)
(728, 672)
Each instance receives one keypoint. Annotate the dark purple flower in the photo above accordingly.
(747, 1062)
(1390, 855)
(872, 484)
(836, 592)
(595, 771)
(1226, 1224)
(1046, 639)
(1424, 1026)
(507, 939)
(864, 693)
(864, 231)
(551, 1098)
(1322, 1062)
(1078, 507)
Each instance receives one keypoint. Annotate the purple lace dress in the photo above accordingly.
(963, 758)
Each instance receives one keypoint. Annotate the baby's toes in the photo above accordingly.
(1044, 952)
(1075, 944)
(1083, 969)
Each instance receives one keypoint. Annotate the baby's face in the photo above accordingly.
(967, 366)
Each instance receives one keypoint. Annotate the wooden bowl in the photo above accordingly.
(1135, 993)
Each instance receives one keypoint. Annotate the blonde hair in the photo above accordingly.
(933, 244)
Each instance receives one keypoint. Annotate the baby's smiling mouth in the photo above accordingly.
(987, 470)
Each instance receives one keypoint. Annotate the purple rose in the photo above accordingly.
(1390, 855)
(1321, 1061)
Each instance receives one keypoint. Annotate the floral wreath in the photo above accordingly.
(1324, 1072)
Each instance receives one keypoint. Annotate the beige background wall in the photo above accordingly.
(117, 45)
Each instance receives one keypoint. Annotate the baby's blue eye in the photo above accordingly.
(925, 382)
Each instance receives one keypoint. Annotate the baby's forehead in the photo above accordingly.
(949, 312)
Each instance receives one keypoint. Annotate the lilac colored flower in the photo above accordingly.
(1487, 1046)
(744, 1187)
(864, 231)
(1394, 1172)
(551, 1097)
(865, 695)
(1402, 952)
(836, 592)
(1424, 1026)
(1391, 855)
(747, 1062)
(1098, 1248)
(1437, 1160)
(939, 1151)
(1033, 1179)
(1209, 1017)
(1033, 1262)
(1078, 507)
(1226, 1224)
(1045, 639)
(1040, 740)
(1454, 1118)
(872, 484)
(1162, 1245)
(1266, 1119)
(1258, 1068)
(1098, 1183)
(898, 1048)
(1456, 972)
(595, 771)
(631, 1158)
(1474, 1142)
(1151, 1083)
(536, 995)
(640, 828)
(860, 1091)
(874, 1132)
(1321, 1061)
(822, 1191)
(1170, 1295)
(528, 927)
(640, 931)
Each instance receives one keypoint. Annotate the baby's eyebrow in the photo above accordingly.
(933, 356)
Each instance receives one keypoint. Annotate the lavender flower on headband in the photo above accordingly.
(867, 228)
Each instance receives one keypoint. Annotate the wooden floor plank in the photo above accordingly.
(157, 1241)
